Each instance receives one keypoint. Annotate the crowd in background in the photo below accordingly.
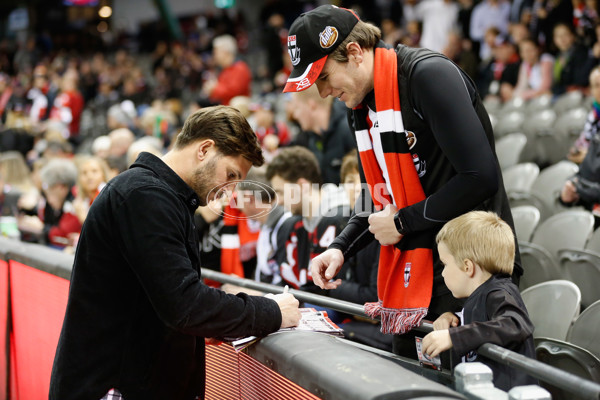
(70, 121)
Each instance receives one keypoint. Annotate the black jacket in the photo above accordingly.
(453, 151)
(138, 311)
(495, 313)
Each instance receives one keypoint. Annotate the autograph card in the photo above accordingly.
(424, 359)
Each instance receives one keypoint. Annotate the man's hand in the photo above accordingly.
(288, 304)
(435, 342)
(325, 266)
(381, 224)
(445, 321)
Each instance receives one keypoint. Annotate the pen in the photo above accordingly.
(286, 288)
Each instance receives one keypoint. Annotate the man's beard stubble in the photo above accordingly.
(204, 180)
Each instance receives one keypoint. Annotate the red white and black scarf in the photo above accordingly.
(405, 277)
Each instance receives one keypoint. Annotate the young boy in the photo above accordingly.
(477, 250)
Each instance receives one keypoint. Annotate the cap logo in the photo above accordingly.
(293, 50)
(303, 84)
(328, 37)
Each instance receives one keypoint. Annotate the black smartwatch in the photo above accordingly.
(398, 222)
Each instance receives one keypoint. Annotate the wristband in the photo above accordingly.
(398, 223)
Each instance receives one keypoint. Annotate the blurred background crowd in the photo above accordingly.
(84, 87)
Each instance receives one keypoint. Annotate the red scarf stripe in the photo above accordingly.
(405, 277)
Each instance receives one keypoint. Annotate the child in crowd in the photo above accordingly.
(477, 249)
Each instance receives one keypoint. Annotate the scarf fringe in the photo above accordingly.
(393, 320)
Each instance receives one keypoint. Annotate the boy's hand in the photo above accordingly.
(445, 321)
(435, 342)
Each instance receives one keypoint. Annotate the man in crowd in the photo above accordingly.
(426, 149)
(138, 313)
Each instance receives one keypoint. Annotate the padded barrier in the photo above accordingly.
(298, 365)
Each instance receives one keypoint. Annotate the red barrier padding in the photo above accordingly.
(231, 375)
(3, 328)
(39, 300)
(222, 373)
(261, 383)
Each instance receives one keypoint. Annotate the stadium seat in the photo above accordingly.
(547, 186)
(582, 267)
(514, 104)
(519, 178)
(509, 148)
(567, 129)
(569, 358)
(568, 101)
(526, 218)
(492, 104)
(594, 243)
(510, 122)
(539, 129)
(538, 265)
(584, 332)
(538, 103)
(552, 307)
(568, 229)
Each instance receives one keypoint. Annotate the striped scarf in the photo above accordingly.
(405, 277)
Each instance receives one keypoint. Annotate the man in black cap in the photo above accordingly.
(427, 154)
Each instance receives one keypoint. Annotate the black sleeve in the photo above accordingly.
(444, 99)
(508, 325)
(588, 191)
(159, 257)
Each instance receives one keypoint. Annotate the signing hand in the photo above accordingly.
(288, 304)
(381, 224)
(325, 266)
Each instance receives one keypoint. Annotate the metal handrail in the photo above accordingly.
(584, 389)
(557, 377)
(323, 301)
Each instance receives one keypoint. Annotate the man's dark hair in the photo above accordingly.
(293, 163)
(230, 131)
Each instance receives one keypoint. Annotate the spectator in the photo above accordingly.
(499, 77)
(16, 178)
(478, 250)
(545, 15)
(535, 72)
(320, 213)
(272, 216)
(68, 105)
(324, 131)
(145, 337)
(487, 14)
(583, 189)
(6, 92)
(38, 95)
(572, 65)
(459, 50)
(234, 78)
(426, 150)
(592, 124)
(438, 18)
(56, 223)
(120, 140)
(271, 133)
(101, 146)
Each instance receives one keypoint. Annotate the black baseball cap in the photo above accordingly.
(312, 37)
